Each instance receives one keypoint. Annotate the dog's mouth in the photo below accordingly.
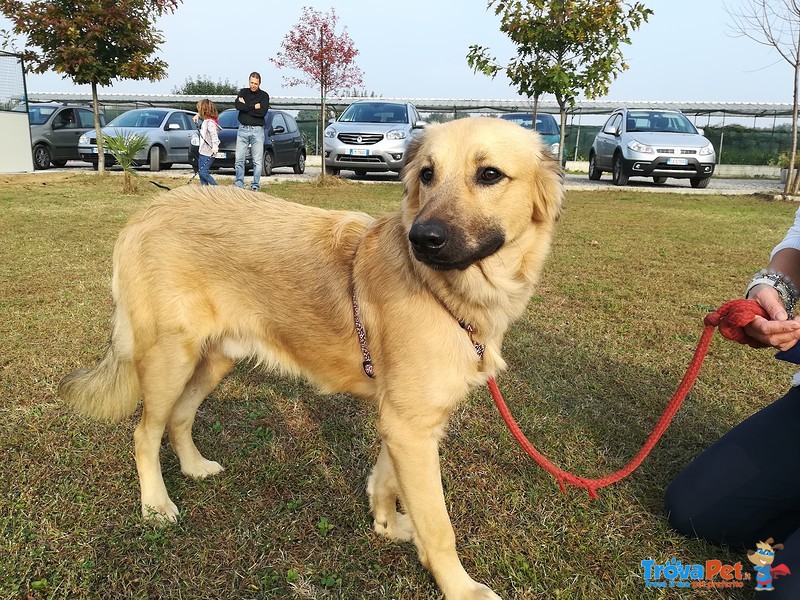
(444, 249)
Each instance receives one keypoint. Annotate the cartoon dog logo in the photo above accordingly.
(763, 558)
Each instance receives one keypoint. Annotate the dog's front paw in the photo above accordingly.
(163, 514)
(476, 591)
(483, 593)
(201, 469)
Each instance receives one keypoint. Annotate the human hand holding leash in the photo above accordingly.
(778, 331)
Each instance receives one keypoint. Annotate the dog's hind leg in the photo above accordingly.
(212, 368)
(414, 451)
(383, 492)
(163, 374)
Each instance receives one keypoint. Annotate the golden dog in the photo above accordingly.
(209, 276)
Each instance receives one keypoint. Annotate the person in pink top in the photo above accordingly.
(209, 140)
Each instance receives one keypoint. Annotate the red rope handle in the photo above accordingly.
(730, 318)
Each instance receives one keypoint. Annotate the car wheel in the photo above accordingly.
(269, 160)
(155, 158)
(332, 171)
(360, 172)
(700, 182)
(41, 157)
(620, 177)
(659, 179)
(594, 172)
(96, 165)
(300, 165)
(59, 163)
(165, 166)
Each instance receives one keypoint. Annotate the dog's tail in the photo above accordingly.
(108, 392)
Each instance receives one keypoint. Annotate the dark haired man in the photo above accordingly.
(252, 104)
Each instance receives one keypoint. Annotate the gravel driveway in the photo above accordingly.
(573, 181)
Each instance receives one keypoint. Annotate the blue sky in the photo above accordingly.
(417, 49)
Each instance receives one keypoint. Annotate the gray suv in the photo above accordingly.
(371, 135)
(651, 143)
(55, 130)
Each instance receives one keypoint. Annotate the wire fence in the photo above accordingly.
(12, 81)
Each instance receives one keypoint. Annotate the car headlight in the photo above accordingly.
(195, 140)
(640, 147)
(330, 133)
(396, 134)
(84, 140)
(554, 148)
(706, 150)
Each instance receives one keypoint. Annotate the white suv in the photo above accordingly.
(371, 135)
(651, 143)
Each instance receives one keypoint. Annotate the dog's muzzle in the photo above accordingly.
(443, 248)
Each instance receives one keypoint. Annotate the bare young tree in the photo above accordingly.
(776, 24)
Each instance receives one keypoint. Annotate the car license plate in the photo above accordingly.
(220, 155)
(94, 150)
(677, 161)
(359, 152)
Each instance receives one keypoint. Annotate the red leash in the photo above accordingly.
(730, 318)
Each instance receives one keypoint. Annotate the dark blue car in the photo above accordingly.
(283, 143)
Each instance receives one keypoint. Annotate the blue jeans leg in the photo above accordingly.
(242, 144)
(203, 166)
(257, 148)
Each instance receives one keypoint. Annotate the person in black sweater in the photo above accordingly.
(252, 104)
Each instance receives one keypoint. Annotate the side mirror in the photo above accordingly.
(331, 121)
(277, 130)
(701, 131)
(419, 125)
(59, 125)
(173, 127)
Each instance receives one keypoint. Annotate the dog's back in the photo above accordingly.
(208, 267)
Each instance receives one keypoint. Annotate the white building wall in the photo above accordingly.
(15, 149)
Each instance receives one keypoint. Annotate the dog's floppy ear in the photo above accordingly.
(548, 192)
(409, 175)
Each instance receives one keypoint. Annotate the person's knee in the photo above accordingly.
(679, 508)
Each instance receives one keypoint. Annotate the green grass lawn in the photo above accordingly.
(604, 343)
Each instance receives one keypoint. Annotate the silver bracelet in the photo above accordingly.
(781, 283)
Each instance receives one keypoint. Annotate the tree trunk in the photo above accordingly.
(323, 114)
(562, 136)
(101, 156)
(792, 180)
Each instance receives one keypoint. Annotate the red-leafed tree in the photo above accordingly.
(327, 59)
(92, 42)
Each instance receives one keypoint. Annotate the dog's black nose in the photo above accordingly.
(428, 237)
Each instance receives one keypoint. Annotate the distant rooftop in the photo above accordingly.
(586, 107)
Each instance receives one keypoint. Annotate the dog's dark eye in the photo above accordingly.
(490, 175)
(426, 175)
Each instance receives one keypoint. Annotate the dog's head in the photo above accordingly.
(473, 186)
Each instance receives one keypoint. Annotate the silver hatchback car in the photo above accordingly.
(371, 135)
(169, 132)
(651, 143)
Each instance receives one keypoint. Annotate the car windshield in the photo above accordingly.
(140, 118)
(668, 122)
(229, 119)
(38, 115)
(545, 124)
(375, 112)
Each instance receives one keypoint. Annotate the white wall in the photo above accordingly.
(15, 143)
